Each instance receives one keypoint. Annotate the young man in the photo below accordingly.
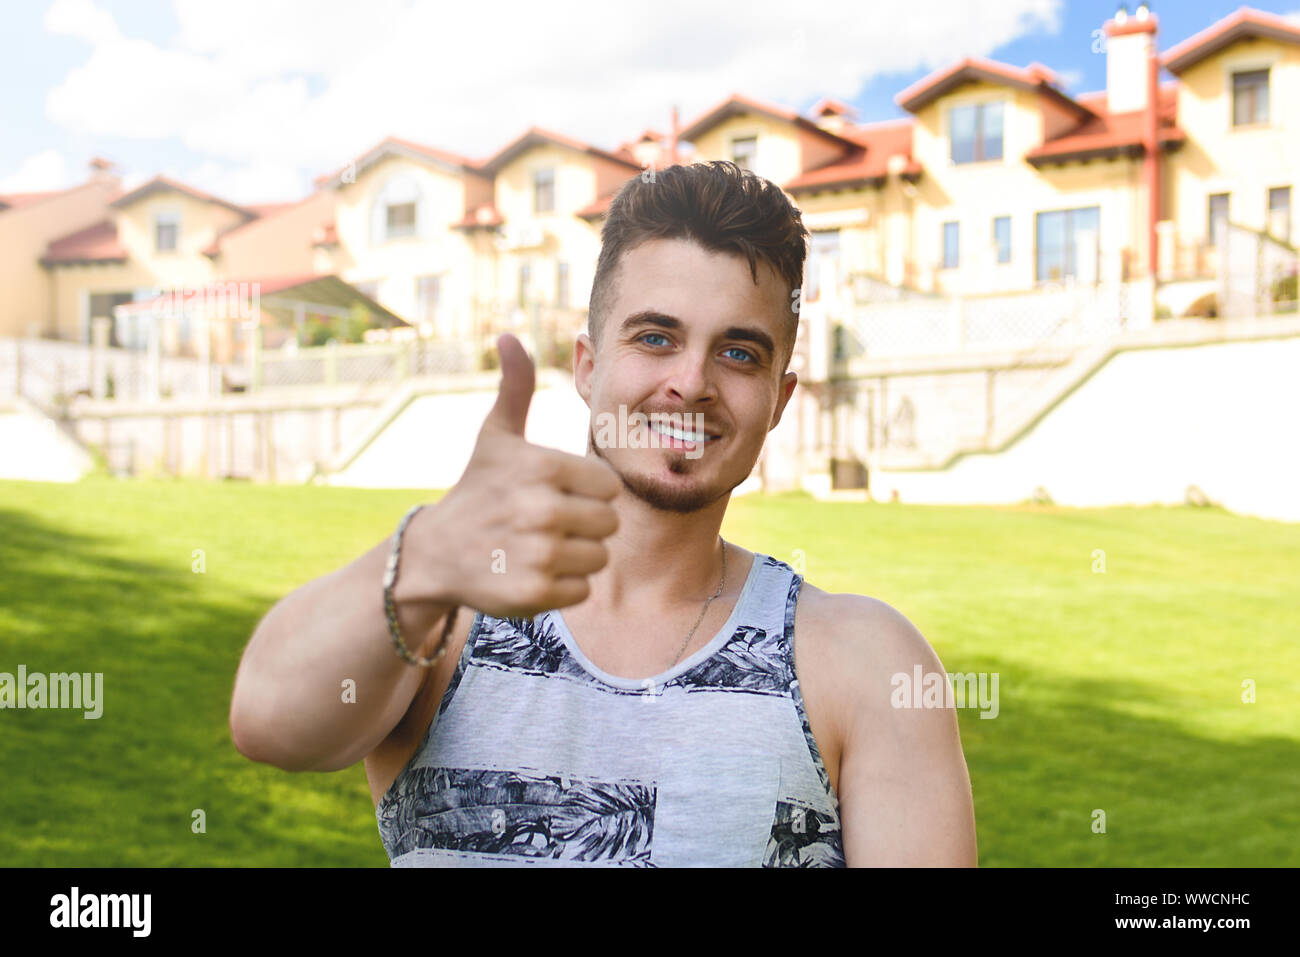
(624, 687)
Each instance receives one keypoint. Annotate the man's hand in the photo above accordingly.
(522, 529)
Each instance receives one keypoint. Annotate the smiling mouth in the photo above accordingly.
(682, 438)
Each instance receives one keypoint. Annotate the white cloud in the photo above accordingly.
(81, 19)
(263, 183)
(41, 171)
(272, 85)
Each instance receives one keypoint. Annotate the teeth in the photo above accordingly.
(680, 434)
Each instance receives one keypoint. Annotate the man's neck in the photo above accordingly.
(659, 559)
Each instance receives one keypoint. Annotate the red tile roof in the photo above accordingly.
(16, 200)
(1238, 26)
(736, 105)
(391, 144)
(482, 215)
(1034, 78)
(98, 243)
(164, 183)
(595, 210)
(261, 212)
(322, 288)
(826, 106)
(536, 136)
(1111, 134)
(868, 165)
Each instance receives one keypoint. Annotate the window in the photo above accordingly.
(1250, 97)
(562, 285)
(823, 262)
(1218, 210)
(1279, 212)
(950, 246)
(427, 291)
(1068, 244)
(166, 226)
(525, 274)
(743, 151)
(544, 191)
(975, 132)
(1002, 238)
(400, 219)
(399, 209)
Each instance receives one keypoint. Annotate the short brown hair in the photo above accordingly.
(720, 206)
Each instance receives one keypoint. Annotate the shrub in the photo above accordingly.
(1207, 307)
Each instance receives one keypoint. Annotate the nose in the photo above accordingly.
(690, 380)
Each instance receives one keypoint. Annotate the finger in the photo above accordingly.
(546, 509)
(570, 590)
(518, 379)
(579, 557)
(585, 476)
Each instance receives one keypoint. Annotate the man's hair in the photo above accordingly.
(719, 206)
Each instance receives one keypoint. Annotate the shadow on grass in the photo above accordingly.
(121, 790)
(1061, 748)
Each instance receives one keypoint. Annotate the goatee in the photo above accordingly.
(658, 496)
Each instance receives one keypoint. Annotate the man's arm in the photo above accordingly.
(904, 789)
(545, 512)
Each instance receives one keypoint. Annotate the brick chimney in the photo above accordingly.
(1130, 41)
(832, 115)
(102, 171)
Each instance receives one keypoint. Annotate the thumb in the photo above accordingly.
(518, 378)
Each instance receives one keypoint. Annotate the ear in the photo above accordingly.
(788, 382)
(584, 366)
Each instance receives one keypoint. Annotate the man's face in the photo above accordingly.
(689, 334)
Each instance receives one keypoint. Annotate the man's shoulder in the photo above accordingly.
(860, 641)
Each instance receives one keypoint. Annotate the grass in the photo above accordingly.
(1120, 691)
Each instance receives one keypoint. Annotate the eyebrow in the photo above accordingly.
(650, 317)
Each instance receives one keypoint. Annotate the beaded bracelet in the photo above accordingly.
(390, 610)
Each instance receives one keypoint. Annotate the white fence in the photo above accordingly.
(1257, 274)
(1059, 315)
(50, 372)
(364, 364)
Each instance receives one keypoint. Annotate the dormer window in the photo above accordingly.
(166, 230)
(400, 218)
(544, 191)
(400, 209)
(1250, 98)
(744, 149)
(975, 132)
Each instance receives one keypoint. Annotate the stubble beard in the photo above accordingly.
(654, 494)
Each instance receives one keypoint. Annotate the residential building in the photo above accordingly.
(29, 222)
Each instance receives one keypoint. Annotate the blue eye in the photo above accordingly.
(657, 335)
(742, 352)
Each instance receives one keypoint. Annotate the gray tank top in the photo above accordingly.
(538, 757)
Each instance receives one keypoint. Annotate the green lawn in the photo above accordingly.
(1118, 691)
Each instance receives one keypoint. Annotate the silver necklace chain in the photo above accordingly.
(722, 584)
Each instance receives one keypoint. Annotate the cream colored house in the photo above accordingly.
(1239, 105)
(998, 181)
(28, 223)
(461, 247)
(165, 239)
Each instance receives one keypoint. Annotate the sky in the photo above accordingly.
(252, 99)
